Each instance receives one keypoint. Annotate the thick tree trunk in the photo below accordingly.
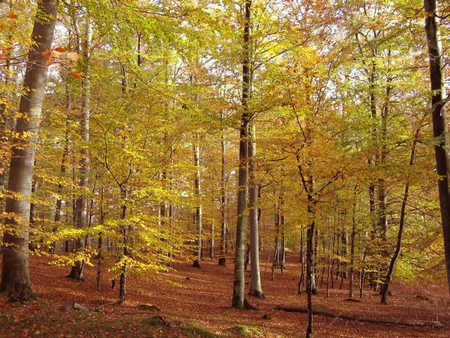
(238, 300)
(15, 266)
(439, 129)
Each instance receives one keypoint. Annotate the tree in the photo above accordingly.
(437, 82)
(255, 285)
(81, 203)
(387, 281)
(15, 269)
(239, 300)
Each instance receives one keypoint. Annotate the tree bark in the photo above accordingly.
(238, 300)
(81, 204)
(437, 100)
(223, 202)
(198, 210)
(255, 284)
(15, 265)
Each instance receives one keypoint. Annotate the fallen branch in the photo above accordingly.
(80, 307)
(432, 323)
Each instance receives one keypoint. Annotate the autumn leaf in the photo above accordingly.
(76, 75)
(55, 53)
(73, 56)
(49, 62)
(12, 15)
(60, 49)
(47, 54)
(5, 56)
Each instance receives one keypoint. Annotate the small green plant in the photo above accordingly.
(247, 331)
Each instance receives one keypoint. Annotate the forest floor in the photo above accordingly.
(192, 302)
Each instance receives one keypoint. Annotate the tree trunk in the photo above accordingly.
(125, 250)
(62, 171)
(81, 204)
(223, 203)
(385, 288)
(276, 252)
(255, 284)
(352, 246)
(437, 100)
(100, 236)
(15, 265)
(238, 300)
(198, 210)
(301, 281)
(310, 269)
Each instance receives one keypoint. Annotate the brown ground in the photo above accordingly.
(203, 298)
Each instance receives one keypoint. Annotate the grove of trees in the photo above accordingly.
(139, 133)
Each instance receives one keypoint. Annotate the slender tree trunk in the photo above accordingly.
(125, 250)
(62, 172)
(352, 247)
(276, 247)
(212, 247)
(81, 204)
(334, 260)
(439, 129)
(398, 247)
(238, 300)
(15, 280)
(283, 240)
(329, 252)
(310, 267)
(100, 237)
(223, 203)
(344, 253)
(198, 210)
(255, 285)
(301, 281)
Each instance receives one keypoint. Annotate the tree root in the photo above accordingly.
(257, 294)
(431, 323)
(248, 306)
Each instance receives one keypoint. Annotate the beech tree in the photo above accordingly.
(81, 203)
(438, 97)
(239, 300)
(15, 269)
